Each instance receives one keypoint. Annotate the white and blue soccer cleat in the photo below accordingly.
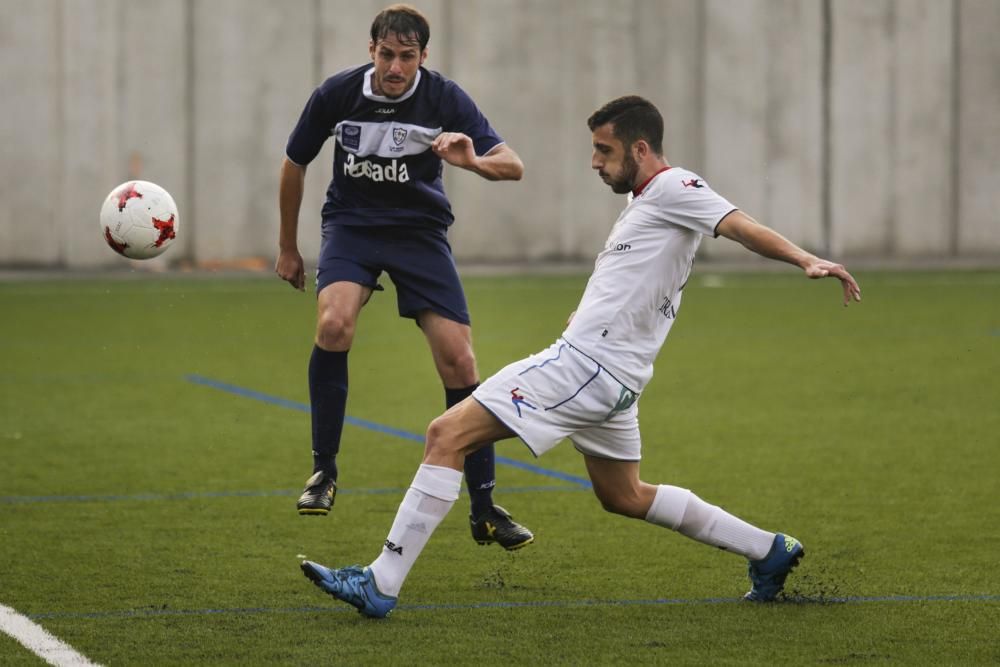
(354, 585)
(767, 576)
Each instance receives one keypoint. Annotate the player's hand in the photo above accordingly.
(823, 268)
(455, 148)
(290, 268)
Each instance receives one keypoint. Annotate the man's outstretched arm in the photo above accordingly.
(740, 227)
(501, 163)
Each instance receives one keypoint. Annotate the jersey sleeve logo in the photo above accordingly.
(351, 136)
(693, 183)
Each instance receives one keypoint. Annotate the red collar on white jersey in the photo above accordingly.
(638, 190)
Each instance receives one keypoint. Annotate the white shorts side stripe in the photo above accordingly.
(582, 387)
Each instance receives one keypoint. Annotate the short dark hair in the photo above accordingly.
(405, 21)
(632, 118)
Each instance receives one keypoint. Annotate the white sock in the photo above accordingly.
(679, 509)
(431, 494)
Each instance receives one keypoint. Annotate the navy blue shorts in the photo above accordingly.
(418, 260)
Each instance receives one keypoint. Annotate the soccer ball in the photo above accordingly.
(139, 219)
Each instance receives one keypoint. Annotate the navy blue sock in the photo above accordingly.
(328, 401)
(480, 465)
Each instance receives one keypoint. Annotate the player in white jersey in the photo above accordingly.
(585, 387)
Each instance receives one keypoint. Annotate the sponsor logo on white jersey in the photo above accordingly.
(395, 171)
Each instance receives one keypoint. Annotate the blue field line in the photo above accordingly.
(193, 495)
(527, 604)
(373, 426)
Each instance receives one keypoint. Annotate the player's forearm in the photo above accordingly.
(291, 187)
(764, 241)
(769, 243)
(501, 164)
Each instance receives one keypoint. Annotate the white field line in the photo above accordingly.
(37, 640)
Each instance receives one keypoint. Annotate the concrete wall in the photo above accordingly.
(855, 127)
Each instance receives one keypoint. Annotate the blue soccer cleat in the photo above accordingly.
(354, 585)
(767, 576)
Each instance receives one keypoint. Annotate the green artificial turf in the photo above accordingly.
(154, 439)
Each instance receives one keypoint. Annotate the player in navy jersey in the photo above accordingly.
(394, 124)
(586, 386)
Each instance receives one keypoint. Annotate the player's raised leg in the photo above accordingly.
(771, 556)
(451, 347)
(373, 590)
(337, 310)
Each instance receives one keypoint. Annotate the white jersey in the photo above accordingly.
(633, 295)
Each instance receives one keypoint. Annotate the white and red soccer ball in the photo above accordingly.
(139, 219)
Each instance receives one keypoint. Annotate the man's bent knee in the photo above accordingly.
(334, 330)
(443, 442)
(442, 433)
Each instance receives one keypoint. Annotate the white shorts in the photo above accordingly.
(562, 393)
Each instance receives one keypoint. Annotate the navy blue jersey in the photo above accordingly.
(384, 172)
